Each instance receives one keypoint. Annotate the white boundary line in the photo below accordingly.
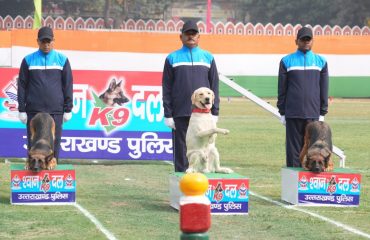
(293, 207)
(98, 225)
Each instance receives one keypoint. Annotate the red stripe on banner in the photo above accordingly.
(27, 173)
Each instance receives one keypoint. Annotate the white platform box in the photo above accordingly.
(338, 188)
(228, 193)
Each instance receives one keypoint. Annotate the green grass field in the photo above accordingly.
(266, 86)
(131, 199)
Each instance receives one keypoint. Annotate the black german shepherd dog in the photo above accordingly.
(41, 151)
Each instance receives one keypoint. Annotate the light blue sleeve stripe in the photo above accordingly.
(44, 67)
(190, 64)
(300, 68)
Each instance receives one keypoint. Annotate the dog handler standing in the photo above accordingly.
(45, 84)
(303, 88)
(186, 70)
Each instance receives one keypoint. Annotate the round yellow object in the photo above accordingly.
(192, 184)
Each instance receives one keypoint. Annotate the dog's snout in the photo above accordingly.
(316, 167)
(207, 99)
(36, 166)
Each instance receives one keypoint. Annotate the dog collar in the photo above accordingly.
(200, 110)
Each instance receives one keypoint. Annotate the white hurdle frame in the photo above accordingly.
(271, 109)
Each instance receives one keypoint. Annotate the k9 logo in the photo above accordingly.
(109, 116)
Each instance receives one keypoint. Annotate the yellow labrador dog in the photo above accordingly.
(201, 135)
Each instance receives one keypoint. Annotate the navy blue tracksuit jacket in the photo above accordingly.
(303, 86)
(45, 83)
(186, 70)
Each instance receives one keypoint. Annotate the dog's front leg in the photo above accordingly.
(28, 165)
(304, 163)
(211, 131)
(52, 164)
(330, 167)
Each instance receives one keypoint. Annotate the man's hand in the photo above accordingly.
(22, 117)
(215, 118)
(282, 119)
(170, 123)
(321, 118)
(67, 116)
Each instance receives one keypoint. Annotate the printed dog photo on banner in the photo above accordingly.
(114, 95)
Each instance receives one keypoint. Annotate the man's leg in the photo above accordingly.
(58, 119)
(295, 129)
(180, 159)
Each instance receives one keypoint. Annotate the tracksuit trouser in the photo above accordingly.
(295, 130)
(179, 139)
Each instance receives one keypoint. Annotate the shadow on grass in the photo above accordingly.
(96, 161)
(112, 162)
(158, 206)
(5, 199)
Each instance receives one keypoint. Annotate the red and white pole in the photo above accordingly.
(209, 15)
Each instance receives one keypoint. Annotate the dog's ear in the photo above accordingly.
(326, 160)
(118, 84)
(32, 129)
(193, 97)
(112, 84)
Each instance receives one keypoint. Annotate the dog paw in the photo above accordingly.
(228, 170)
(50, 167)
(206, 171)
(224, 170)
(190, 170)
(225, 131)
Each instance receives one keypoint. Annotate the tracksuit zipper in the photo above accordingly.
(304, 79)
(191, 56)
(192, 65)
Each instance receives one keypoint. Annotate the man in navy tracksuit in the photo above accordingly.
(45, 84)
(186, 70)
(302, 93)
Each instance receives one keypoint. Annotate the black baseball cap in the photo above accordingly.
(45, 33)
(304, 32)
(189, 25)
